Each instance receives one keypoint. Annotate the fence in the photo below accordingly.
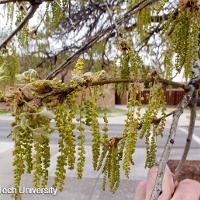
(173, 97)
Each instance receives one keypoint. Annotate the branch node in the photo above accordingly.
(172, 141)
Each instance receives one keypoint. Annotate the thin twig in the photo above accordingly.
(98, 36)
(42, 19)
(14, 1)
(6, 1)
(21, 25)
(112, 19)
(157, 29)
(158, 120)
(127, 28)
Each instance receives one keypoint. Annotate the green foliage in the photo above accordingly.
(23, 37)
(131, 66)
(56, 16)
(10, 13)
(182, 35)
(143, 21)
(98, 48)
(9, 67)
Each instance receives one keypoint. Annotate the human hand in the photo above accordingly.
(187, 189)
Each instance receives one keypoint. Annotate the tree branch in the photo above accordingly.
(192, 106)
(190, 90)
(40, 92)
(29, 15)
(112, 19)
(7, 1)
(157, 191)
(157, 121)
(155, 19)
(14, 1)
(98, 36)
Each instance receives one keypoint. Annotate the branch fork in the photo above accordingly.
(187, 100)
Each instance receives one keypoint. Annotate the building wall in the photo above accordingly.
(109, 89)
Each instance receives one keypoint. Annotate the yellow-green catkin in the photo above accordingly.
(131, 128)
(41, 157)
(143, 22)
(95, 130)
(131, 66)
(65, 125)
(181, 31)
(104, 139)
(81, 139)
(115, 170)
(31, 131)
(79, 67)
(111, 168)
(156, 103)
(23, 35)
(18, 161)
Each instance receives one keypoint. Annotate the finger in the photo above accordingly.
(188, 190)
(167, 186)
(140, 192)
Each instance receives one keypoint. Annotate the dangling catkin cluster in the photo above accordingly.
(156, 103)
(30, 132)
(105, 137)
(95, 131)
(131, 66)
(131, 127)
(81, 139)
(72, 112)
(182, 34)
(111, 168)
(65, 126)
